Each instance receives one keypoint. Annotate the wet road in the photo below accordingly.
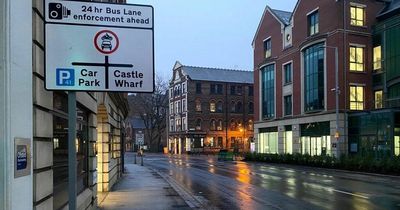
(241, 185)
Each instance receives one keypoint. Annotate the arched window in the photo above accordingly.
(219, 125)
(219, 107)
(198, 105)
(233, 106)
(239, 107)
(198, 124)
(233, 125)
(212, 106)
(213, 125)
(250, 125)
(251, 108)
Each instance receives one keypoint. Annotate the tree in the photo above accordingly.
(152, 109)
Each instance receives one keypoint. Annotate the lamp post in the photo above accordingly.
(336, 89)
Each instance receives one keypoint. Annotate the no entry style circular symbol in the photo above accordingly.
(106, 42)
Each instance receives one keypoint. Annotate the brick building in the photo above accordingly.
(294, 73)
(210, 109)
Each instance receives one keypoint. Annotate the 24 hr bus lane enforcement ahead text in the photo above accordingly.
(91, 13)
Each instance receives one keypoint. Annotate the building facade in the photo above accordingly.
(296, 110)
(40, 118)
(210, 109)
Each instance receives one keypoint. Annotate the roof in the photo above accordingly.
(218, 75)
(284, 16)
(391, 8)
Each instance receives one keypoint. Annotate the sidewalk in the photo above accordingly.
(142, 189)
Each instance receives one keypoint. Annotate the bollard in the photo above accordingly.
(135, 158)
(142, 160)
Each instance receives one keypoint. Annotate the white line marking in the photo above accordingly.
(352, 194)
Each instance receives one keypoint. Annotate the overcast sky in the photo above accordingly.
(208, 33)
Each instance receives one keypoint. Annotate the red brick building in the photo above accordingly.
(210, 109)
(294, 74)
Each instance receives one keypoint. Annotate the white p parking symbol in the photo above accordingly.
(65, 77)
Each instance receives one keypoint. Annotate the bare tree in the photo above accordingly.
(152, 108)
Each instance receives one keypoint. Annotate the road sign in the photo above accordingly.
(99, 46)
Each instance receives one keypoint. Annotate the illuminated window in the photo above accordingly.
(397, 145)
(356, 98)
(357, 15)
(379, 99)
(198, 105)
(356, 58)
(377, 58)
(212, 107)
(219, 125)
(267, 48)
(250, 125)
(313, 23)
(288, 142)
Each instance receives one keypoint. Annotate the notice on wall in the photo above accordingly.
(99, 46)
(22, 157)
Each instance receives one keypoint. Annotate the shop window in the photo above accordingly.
(268, 143)
(288, 140)
(356, 58)
(316, 145)
(356, 98)
(357, 15)
(397, 145)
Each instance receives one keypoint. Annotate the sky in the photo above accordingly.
(207, 33)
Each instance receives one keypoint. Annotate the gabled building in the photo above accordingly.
(210, 109)
(296, 109)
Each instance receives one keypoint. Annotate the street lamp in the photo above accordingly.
(336, 89)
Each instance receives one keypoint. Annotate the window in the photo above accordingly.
(267, 48)
(239, 90)
(377, 58)
(356, 58)
(213, 89)
(198, 124)
(379, 99)
(287, 70)
(60, 149)
(233, 125)
(288, 105)
(170, 93)
(179, 107)
(198, 105)
(268, 143)
(397, 145)
(251, 91)
(233, 107)
(178, 124)
(212, 106)
(233, 90)
(219, 142)
(239, 107)
(316, 145)
(356, 98)
(184, 128)
(314, 78)
(198, 88)
(171, 108)
(213, 125)
(184, 105)
(357, 15)
(268, 91)
(288, 141)
(183, 88)
(250, 125)
(313, 23)
(251, 108)
(219, 89)
(176, 107)
(219, 125)
(171, 123)
(219, 107)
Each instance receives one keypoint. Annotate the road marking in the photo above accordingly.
(349, 193)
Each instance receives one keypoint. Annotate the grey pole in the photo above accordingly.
(337, 92)
(71, 150)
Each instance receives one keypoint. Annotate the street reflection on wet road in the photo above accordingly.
(241, 185)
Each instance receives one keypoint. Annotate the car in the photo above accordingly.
(106, 45)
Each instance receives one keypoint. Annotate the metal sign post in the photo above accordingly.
(72, 189)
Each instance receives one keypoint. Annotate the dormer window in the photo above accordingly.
(267, 47)
(313, 23)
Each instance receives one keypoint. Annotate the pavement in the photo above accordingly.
(142, 188)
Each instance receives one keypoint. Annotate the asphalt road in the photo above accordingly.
(240, 185)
